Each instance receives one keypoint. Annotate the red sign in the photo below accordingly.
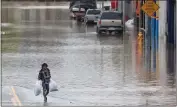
(114, 4)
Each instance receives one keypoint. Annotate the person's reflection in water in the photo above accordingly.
(45, 104)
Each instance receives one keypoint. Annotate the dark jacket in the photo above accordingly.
(44, 75)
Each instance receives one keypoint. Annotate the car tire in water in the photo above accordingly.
(98, 31)
(78, 19)
(120, 34)
(120, 31)
(86, 23)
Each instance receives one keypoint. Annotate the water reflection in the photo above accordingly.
(142, 61)
(125, 65)
(151, 72)
(11, 15)
(171, 62)
(147, 68)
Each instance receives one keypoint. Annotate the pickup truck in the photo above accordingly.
(92, 15)
(110, 21)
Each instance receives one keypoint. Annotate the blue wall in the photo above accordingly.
(154, 40)
(153, 43)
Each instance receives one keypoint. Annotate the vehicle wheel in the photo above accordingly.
(82, 20)
(120, 34)
(98, 31)
(121, 31)
(110, 32)
(78, 19)
(86, 22)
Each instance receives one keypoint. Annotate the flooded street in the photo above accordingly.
(92, 70)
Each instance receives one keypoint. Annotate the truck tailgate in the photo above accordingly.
(111, 23)
(92, 17)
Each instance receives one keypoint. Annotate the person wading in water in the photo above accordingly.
(44, 76)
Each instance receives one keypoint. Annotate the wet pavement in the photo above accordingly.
(108, 70)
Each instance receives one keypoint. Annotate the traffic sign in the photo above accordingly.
(150, 7)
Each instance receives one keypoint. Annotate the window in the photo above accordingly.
(94, 12)
(111, 15)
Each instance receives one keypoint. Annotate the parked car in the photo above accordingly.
(88, 2)
(92, 15)
(78, 8)
(110, 21)
(75, 11)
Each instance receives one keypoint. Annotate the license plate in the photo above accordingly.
(111, 28)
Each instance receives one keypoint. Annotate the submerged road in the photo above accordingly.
(89, 69)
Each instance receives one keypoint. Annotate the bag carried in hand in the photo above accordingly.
(53, 86)
(38, 88)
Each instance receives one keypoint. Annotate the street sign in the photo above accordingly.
(150, 7)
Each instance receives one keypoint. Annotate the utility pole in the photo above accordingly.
(123, 10)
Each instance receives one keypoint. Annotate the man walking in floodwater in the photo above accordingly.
(44, 76)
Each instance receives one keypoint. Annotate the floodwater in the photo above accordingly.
(112, 70)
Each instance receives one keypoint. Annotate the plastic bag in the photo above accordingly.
(38, 88)
(53, 86)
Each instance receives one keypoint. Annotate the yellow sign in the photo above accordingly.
(150, 7)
